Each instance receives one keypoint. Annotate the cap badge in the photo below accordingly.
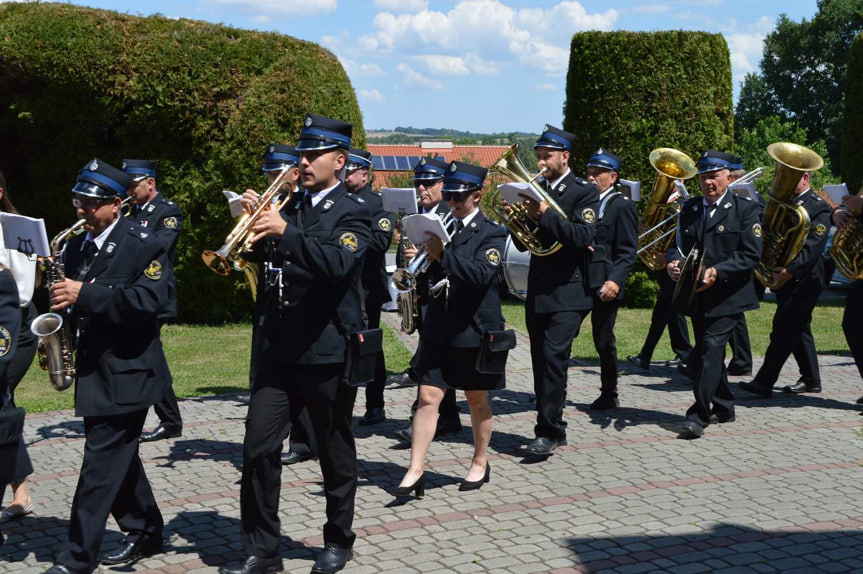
(308, 121)
(422, 161)
(94, 165)
(124, 165)
(272, 149)
(600, 151)
(453, 167)
(546, 128)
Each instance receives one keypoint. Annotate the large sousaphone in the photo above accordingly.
(785, 225)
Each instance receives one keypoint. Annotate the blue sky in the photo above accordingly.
(478, 65)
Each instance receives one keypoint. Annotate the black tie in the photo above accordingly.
(90, 251)
(307, 204)
(711, 209)
(459, 225)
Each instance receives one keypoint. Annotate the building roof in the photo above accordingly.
(391, 155)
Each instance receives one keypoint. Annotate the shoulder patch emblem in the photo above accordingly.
(5, 341)
(171, 222)
(820, 230)
(493, 256)
(756, 229)
(588, 215)
(349, 241)
(153, 270)
(385, 224)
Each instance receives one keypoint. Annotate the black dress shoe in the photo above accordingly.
(673, 362)
(332, 559)
(160, 433)
(716, 419)
(292, 457)
(373, 417)
(544, 445)
(686, 371)
(605, 402)
(756, 389)
(802, 386)
(476, 484)
(860, 401)
(639, 361)
(57, 569)
(739, 371)
(401, 380)
(419, 486)
(406, 433)
(691, 430)
(130, 552)
(255, 565)
(447, 427)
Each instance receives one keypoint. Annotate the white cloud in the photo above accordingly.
(371, 96)
(546, 87)
(358, 70)
(747, 46)
(414, 78)
(402, 5)
(444, 65)
(296, 7)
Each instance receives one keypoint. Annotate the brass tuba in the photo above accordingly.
(660, 218)
(785, 225)
(239, 240)
(847, 248)
(509, 165)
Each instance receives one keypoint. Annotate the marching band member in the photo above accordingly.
(428, 182)
(558, 296)
(115, 287)
(308, 308)
(617, 239)
(725, 229)
(852, 319)
(374, 278)
(795, 301)
(164, 220)
(740, 363)
(465, 303)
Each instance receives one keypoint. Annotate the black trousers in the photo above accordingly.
(112, 481)
(167, 409)
(712, 393)
(792, 332)
(665, 314)
(375, 389)
(603, 318)
(302, 439)
(852, 323)
(273, 403)
(551, 336)
(741, 349)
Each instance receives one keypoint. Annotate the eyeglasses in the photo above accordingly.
(89, 203)
(452, 196)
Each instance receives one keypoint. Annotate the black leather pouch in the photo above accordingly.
(493, 351)
(11, 424)
(363, 349)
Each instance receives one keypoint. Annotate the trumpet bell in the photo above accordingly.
(404, 280)
(216, 262)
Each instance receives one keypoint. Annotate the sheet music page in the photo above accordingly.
(417, 225)
(513, 192)
(25, 234)
(399, 199)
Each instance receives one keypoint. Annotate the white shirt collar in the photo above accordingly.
(606, 193)
(432, 210)
(718, 201)
(556, 182)
(100, 240)
(466, 221)
(319, 196)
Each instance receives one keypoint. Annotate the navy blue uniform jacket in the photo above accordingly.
(809, 263)
(120, 363)
(732, 244)
(374, 277)
(164, 219)
(617, 235)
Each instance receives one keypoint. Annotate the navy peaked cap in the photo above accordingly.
(555, 138)
(712, 160)
(604, 159)
(462, 177)
(429, 169)
(322, 133)
(359, 159)
(101, 180)
(139, 168)
(279, 156)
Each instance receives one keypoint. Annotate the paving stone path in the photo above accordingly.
(779, 490)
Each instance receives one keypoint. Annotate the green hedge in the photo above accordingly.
(632, 92)
(203, 100)
(852, 129)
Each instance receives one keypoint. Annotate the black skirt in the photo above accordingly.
(455, 368)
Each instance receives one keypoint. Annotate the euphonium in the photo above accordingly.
(405, 279)
(407, 303)
(785, 225)
(509, 165)
(847, 248)
(660, 217)
(239, 240)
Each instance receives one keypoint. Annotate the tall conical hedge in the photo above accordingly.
(852, 128)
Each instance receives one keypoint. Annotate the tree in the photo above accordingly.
(803, 73)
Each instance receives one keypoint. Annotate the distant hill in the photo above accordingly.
(409, 135)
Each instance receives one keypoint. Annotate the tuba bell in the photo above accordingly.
(785, 225)
(847, 248)
(660, 217)
(509, 165)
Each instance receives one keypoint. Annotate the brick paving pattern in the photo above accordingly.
(779, 490)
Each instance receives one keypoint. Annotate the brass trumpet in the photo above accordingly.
(239, 240)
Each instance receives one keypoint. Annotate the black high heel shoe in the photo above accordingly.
(476, 484)
(419, 486)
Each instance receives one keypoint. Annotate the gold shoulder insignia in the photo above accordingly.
(171, 222)
(349, 241)
(153, 270)
(820, 230)
(5, 341)
(493, 256)
(588, 215)
(756, 229)
(385, 224)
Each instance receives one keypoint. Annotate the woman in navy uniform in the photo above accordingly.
(464, 303)
(164, 219)
(115, 287)
(558, 295)
(725, 228)
(308, 306)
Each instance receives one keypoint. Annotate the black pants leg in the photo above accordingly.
(852, 323)
(375, 389)
(741, 349)
(167, 409)
(112, 478)
(712, 393)
(302, 437)
(791, 322)
(665, 314)
(551, 336)
(603, 318)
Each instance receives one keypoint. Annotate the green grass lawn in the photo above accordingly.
(212, 360)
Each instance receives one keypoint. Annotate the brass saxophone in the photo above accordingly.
(847, 249)
(408, 302)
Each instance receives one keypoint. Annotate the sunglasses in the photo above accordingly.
(89, 203)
